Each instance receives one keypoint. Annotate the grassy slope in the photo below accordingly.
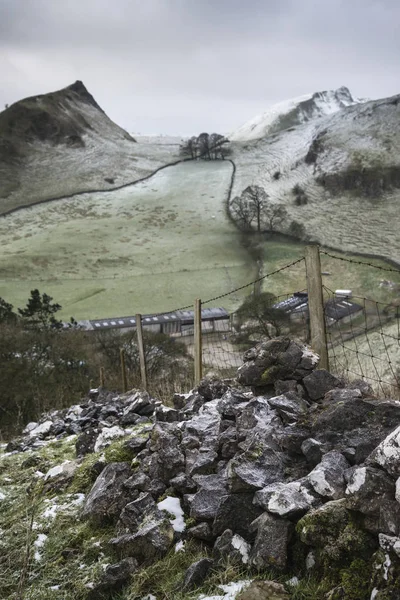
(150, 247)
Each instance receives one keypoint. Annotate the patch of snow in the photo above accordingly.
(231, 590)
(149, 597)
(180, 546)
(244, 548)
(107, 435)
(2, 496)
(39, 474)
(7, 479)
(374, 594)
(293, 582)
(389, 543)
(386, 566)
(54, 587)
(398, 490)
(307, 353)
(39, 543)
(173, 506)
(310, 560)
(357, 480)
(72, 501)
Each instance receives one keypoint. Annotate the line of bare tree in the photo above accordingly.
(207, 146)
(253, 211)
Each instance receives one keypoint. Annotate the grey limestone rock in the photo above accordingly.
(107, 496)
(327, 478)
(197, 573)
(272, 540)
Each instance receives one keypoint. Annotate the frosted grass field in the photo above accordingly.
(150, 247)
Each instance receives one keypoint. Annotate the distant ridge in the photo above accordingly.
(296, 111)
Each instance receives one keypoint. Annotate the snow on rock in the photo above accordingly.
(67, 468)
(173, 506)
(357, 480)
(387, 454)
(42, 429)
(244, 548)
(389, 543)
(107, 435)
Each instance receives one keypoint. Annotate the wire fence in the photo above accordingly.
(362, 334)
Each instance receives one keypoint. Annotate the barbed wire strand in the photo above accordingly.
(238, 289)
(360, 262)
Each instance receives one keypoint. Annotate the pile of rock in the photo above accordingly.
(290, 469)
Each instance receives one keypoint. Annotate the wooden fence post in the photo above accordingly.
(316, 305)
(123, 371)
(198, 354)
(101, 376)
(142, 356)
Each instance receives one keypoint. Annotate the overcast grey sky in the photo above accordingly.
(184, 66)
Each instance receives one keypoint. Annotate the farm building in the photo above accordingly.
(296, 306)
(180, 322)
(340, 308)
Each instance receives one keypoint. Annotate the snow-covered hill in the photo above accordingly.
(62, 143)
(291, 113)
(338, 175)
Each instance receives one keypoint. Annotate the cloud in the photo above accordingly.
(186, 65)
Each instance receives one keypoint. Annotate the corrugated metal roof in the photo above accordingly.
(297, 302)
(184, 316)
(337, 309)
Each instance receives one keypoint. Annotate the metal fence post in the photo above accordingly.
(198, 355)
(316, 305)
(142, 356)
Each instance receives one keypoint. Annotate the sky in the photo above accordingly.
(187, 66)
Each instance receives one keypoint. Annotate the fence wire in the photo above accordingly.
(364, 340)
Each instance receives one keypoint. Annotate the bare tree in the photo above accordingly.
(217, 143)
(203, 144)
(189, 147)
(253, 210)
(206, 146)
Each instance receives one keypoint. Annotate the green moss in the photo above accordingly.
(355, 580)
(85, 475)
(270, 375)
(118, 452)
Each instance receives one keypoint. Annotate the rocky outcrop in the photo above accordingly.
(295, 471)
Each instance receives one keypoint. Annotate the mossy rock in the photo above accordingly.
(338, 540)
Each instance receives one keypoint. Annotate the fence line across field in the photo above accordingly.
(342, 329)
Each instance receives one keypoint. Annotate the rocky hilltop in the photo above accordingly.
(59, 143)
(291, 113)
(286, 472)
